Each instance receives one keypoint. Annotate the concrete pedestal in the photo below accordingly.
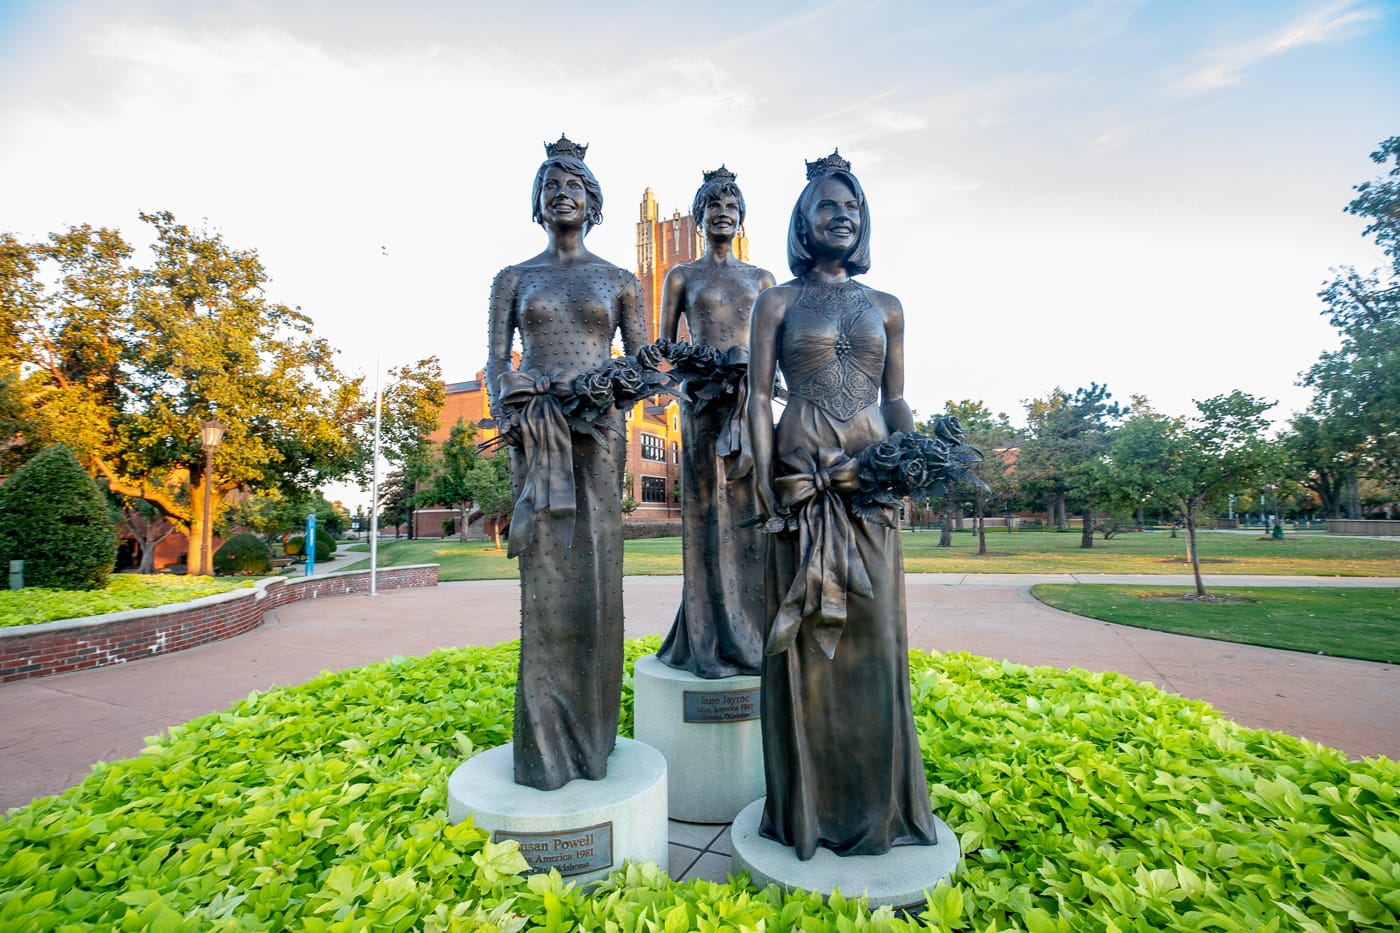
(709, 732)
(585, 829)
(898, 878)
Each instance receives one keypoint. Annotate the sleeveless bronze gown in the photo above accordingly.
(842, 760)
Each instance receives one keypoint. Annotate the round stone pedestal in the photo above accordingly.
(709, 732)
(584, 829)
(898, 878)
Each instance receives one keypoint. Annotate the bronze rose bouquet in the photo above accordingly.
(586, 400)
(913, 465)
(702, 372)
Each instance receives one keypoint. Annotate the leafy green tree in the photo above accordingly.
(492, 492)
(1327, 458)
(991, 433)
(244, 553)
(124, 363)
(1139, 465)
(412, 403)
(451, 483)
(150, 526)
(1358, 384)
(1196, 462)
(55, 519)
(1062, 460)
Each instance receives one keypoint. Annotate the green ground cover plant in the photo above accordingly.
(1345, 622)
(123, 591)
(1155, 552)
(1083, 802)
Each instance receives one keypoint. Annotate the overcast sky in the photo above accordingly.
(1143, 194)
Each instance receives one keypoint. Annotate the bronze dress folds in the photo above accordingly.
(571, 658)
(842, 758)
(716, 630)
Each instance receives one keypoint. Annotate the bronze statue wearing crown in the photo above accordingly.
(841, 756)
(716, 632)
(566, 305)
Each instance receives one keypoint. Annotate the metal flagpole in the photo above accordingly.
(374, 493)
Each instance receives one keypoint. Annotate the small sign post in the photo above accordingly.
(16, 574)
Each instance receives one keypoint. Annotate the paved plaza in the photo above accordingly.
(53, 729)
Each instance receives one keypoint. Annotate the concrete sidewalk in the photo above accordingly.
(53, 729)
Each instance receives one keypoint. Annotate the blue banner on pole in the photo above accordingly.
(310, 544)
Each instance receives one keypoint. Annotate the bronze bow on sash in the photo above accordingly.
(830, 566)
(547, 447)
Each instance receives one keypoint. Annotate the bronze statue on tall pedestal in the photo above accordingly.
(718, 627)
(842, 762)
(559, 411)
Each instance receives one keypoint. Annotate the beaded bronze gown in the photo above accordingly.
(571, 658)
(843, 765)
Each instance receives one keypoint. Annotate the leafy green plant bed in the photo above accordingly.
(123, 591)
(1346, 622)
(1082, 802)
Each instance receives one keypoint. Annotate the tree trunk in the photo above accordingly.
(1191, 547)
(1061, 520)
(461, 522)
(194, 556)
(945, 537)
(149, 543)
(981, 523)
(1354, 498)
(1086, 534)
(1141, 519)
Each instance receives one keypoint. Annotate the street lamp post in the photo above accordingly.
(210, 434)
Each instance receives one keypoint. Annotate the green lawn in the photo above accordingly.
(1340, 621)
(1019, 552)
(1154, 552)
(124, 591)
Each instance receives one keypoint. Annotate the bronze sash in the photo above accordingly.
(547, 447)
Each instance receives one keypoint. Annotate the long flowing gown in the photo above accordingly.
(843, 766)
(571, 619)
(717, 629)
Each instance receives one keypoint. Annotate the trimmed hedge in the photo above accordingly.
(325, 546)
(55, 519)
(1082, 802)
(244, 553)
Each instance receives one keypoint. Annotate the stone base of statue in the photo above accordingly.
(710, 734)
(585, 829)
(898, 878)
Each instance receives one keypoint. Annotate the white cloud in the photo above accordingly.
(1227, 67)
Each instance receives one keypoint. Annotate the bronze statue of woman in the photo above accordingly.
(717, 628)
(841, 756)
(566, 305)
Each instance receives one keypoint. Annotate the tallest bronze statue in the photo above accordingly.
(566, 305)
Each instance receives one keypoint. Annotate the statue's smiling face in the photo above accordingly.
(563, 198)
(833, 221)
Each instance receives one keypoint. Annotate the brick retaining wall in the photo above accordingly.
(117, 637)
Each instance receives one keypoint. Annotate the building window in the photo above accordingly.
(653, 448)
(654, 489)
(675, 452)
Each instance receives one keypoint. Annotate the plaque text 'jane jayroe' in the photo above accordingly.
(570, 851)
(726, 706)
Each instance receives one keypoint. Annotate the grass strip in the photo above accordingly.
(1344, 622)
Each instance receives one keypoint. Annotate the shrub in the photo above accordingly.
(325, 547)
(55, 519)
(1081, 801)
(449, 527)
(243, 553)
(295, 547)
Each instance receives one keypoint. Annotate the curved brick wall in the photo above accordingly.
(97, 641)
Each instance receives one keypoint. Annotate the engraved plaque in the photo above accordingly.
(569, 851)
(725, 706)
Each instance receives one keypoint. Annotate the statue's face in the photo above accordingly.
(833, 220)
(563, 199)
(722, 214)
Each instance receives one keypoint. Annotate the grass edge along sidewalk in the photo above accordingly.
(1020, 552)
(1343, 622)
